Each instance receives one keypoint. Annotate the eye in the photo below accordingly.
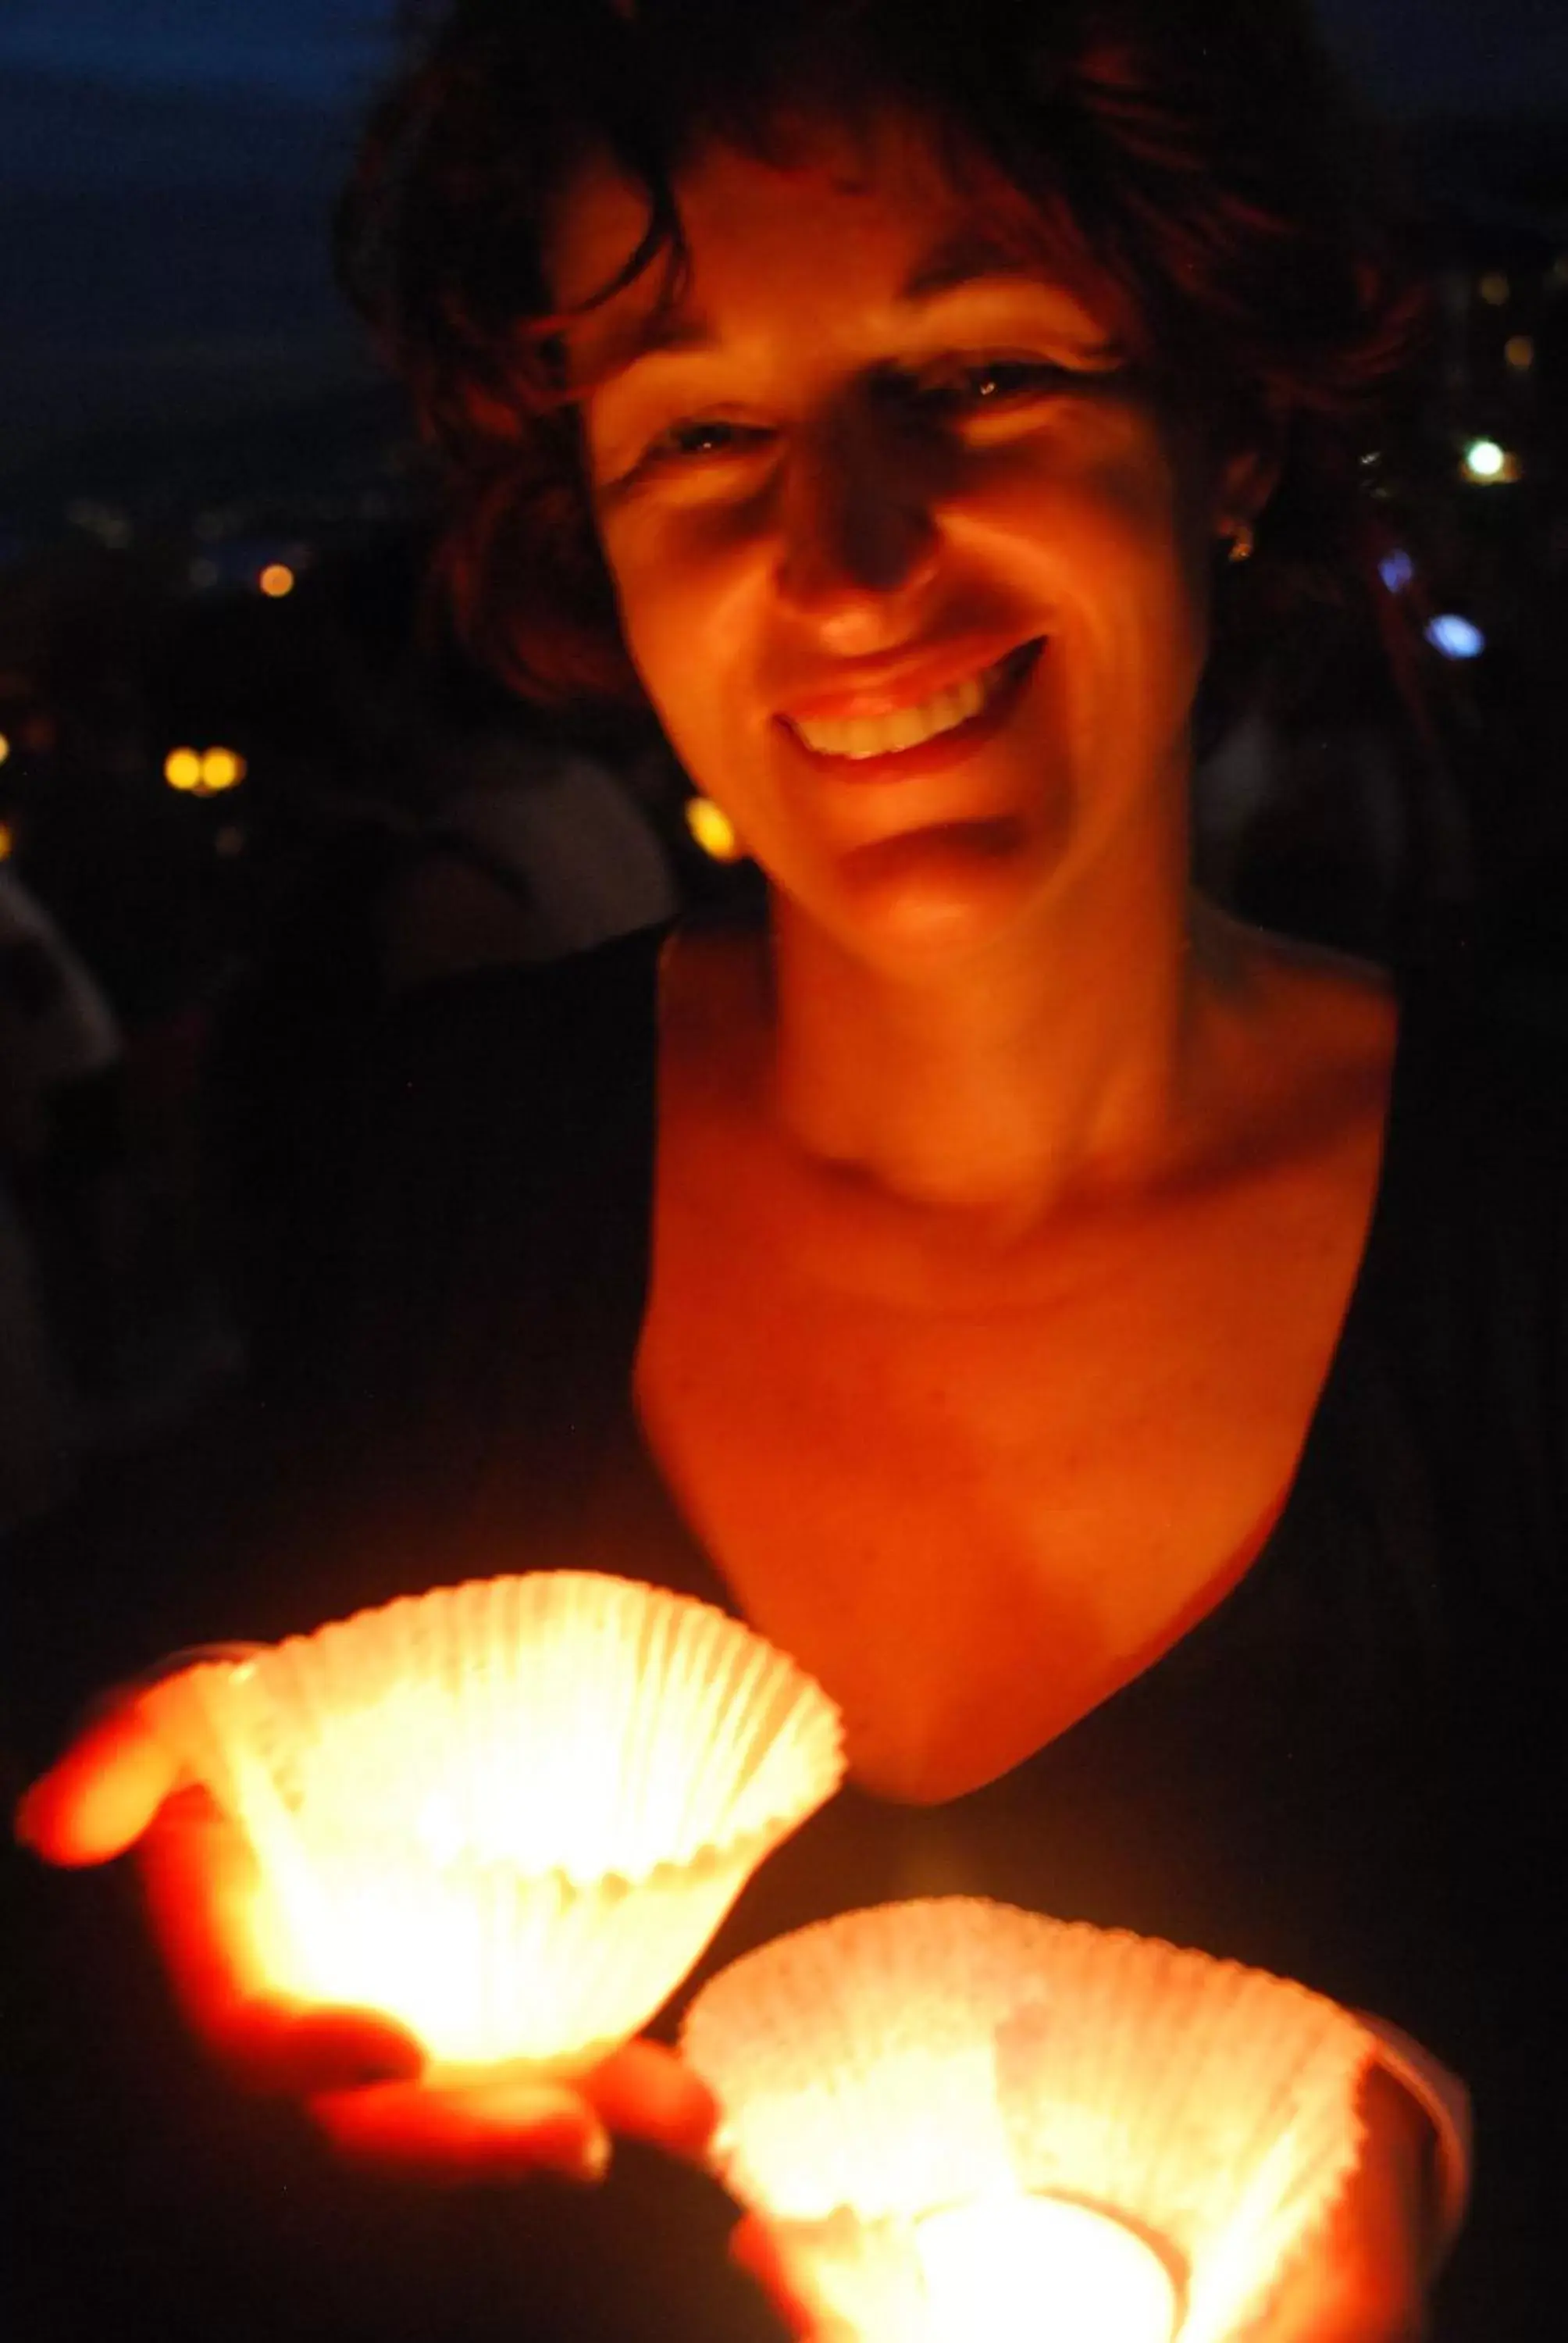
(954, 390)
(704, 437)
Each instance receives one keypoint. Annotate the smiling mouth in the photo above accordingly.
(855, 738)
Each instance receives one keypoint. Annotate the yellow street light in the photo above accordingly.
(4, 748)
(182, 768)
(276, 580)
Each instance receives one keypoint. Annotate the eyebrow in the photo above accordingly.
(962, 261)
(965, 259)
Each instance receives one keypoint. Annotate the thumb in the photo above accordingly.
(100, 1797)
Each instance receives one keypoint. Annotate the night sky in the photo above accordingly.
(166, 166)
(1424, 53)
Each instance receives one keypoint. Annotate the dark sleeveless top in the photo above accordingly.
(1349, 1771)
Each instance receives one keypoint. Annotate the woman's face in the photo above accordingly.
(910, 564)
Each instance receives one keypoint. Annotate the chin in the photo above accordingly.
(949, 890)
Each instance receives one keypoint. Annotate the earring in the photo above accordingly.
(714, 832)
(1243, 542)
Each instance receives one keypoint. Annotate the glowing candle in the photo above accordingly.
(924, 2099)
(512, 1813)
(1036, 2270)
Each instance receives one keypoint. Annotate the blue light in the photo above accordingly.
(1455, 638)
(1396, 569)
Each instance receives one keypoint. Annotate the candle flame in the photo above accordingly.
(1037, 2270)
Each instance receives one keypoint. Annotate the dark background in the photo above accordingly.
(165, 165)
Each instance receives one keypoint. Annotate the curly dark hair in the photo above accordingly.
(1198, 157)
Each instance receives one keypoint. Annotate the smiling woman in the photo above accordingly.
(895, 505)
(1201, 170)
(1118, 1353)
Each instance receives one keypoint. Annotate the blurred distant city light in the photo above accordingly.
(1485, 461)
(4, 748)
(1493, 289)
(1519, 351)
(1455, 637)
(205, 772)
(276, 580)
(7, 841)
(1396, 569)
(230, 840)
(221, 769)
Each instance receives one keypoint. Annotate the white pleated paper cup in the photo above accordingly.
(511, 1814)
(898, 2062)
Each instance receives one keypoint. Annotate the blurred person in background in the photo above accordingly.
(62, 1071)
(439, 829)
(35, 1445)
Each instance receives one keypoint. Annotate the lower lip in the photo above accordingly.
(944, 748)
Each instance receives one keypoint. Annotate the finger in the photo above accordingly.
(100, 1797)
(200, 1882)
(754, 2247)
(277, 2049)
(1361, 2281)
(200, 1885)
(645, 2092)
(472, 2132)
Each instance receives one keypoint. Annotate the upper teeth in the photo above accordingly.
(874, 735)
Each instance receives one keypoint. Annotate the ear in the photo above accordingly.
(1243, 483)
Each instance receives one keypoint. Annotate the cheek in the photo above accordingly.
(687, 588)
(1086, 514)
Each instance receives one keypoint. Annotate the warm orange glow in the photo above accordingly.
(204, 773)
(4, 749)
(1494, 289)
(221, 769)
(276, 580)
(884, 2067)
(7, 841)
(1033, 2269)
(1519, 352)
(509, 1815)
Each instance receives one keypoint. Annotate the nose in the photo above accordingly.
(857, 538)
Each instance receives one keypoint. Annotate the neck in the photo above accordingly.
(1006, 1079)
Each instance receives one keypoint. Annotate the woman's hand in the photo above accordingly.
(1363, 2281)
(357, 2073)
